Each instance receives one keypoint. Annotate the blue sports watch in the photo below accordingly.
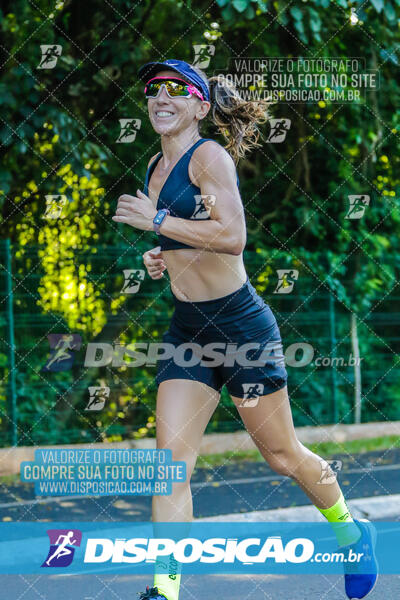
(159, 218)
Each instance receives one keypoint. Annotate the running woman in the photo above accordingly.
(191, 200)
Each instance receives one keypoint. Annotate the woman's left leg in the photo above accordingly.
(270, 424)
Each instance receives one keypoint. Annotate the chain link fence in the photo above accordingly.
(57, 315)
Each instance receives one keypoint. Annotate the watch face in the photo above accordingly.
(158, 219)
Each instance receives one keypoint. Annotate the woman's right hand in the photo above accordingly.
(154, 263)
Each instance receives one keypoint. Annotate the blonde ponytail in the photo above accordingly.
(237, 119)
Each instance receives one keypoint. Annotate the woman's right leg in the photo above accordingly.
(183, 411)
(184, 408)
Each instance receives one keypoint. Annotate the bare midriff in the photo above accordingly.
(197, 275)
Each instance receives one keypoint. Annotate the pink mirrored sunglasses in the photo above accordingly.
(175, 87)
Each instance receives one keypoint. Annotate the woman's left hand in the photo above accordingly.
(137, 211)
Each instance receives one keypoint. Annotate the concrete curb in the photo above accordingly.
(215, 443)
(376, 507)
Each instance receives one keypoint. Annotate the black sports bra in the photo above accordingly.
(182, 198)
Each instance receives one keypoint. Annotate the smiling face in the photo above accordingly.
(170, 116)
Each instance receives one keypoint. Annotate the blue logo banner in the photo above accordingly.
(200, 547)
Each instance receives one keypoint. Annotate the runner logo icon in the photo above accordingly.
(62, 542)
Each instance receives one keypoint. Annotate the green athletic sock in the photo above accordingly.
(168, 577)
(339, 515)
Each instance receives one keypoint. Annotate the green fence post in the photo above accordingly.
(333, 355)
(11, 345)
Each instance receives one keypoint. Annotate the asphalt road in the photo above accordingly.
(232, 488)
(193, 587)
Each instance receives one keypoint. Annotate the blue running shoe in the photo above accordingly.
(360, 577)
(151, 594)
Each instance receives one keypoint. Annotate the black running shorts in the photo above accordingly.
(233, 341)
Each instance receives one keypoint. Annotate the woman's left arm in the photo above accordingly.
(225, 231)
